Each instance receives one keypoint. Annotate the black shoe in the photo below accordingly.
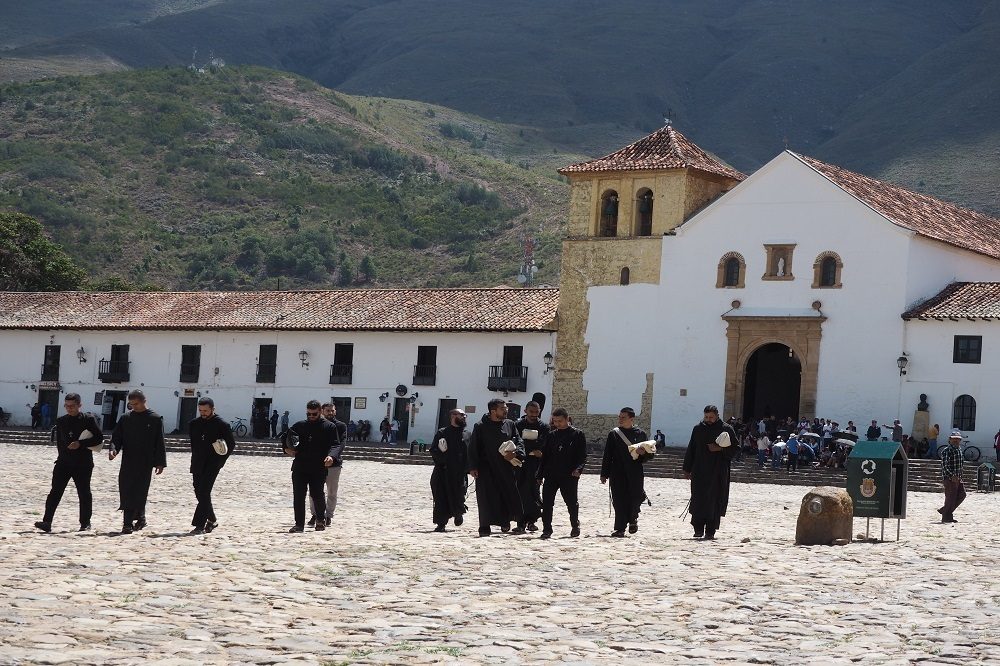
(546, 534)
(320, 525)
(209, 526)
(699, 534)
(518, 530)
(439, 528)
(709, 535)
(531, 527)
(85, 528)
(618, 534)
(458, 521)
(139, 524)
(633, 527)
(327, 521)
(44, 526)
(575, 532)
(197, 530)
(296, 528)
(485, 534)
(505, 528)
(312, 521)
(127, 528)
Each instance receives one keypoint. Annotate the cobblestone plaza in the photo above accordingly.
(380, 587)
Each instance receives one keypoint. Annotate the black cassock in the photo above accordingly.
(527, 474)
(449, 478)
(496, 487)
(709, 474)
(139, 439)
(625, 475)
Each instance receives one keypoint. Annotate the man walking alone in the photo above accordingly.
(206, 463)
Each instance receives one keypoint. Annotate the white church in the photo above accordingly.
(801, 290)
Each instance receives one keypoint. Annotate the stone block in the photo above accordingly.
(825, 518)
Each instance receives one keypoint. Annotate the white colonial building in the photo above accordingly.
(792, 292)
(410, 354)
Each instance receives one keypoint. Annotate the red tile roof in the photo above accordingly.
(960, 300)
(927, 216)
(666, 148)
(482, 310)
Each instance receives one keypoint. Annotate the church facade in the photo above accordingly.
(686, 283)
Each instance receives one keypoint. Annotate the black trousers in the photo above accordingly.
(567, 487)
(61, 474)
(315, 483)
(626, 509)
(204, 481)
(135, 495)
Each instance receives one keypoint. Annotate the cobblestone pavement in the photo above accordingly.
(380, 587)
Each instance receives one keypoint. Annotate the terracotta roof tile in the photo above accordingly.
(484, 310)
(666, 148)
(960, 300)
(927, 216)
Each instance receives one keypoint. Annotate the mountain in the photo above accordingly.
(249, 178)
(904, 89)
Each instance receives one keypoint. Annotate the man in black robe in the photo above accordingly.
(314, 453)
(625, 473)
(206, 463)
(561, 465)
(332, 482)
(138, 436)
(527, 474)
(449, 479)
(706, 464)
(74, 461)
(496, 483)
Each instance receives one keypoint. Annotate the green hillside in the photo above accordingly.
(246, 177)
(907, 89)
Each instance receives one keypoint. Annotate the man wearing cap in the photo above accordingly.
(138, 436)
(450, 452)
(206, 461)
(533, 433)
(951, 473)
(706, 465)
(496, 484)
(74, 461)
(625, 472)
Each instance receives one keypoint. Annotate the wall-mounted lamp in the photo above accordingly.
(304, 356)
(177, 394)
(549, 360)
(901, 363)
(81, 355)
(383, 397)
(33, 387)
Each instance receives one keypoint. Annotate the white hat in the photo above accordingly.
(220, 446)
(955, 434)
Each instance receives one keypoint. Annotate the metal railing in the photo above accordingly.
(508, 378)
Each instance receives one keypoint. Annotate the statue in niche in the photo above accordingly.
(922, 405)
(781, 266)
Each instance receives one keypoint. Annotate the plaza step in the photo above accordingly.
(924, 475)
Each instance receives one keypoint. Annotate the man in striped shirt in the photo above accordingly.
(951, 473)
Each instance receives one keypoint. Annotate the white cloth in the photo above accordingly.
(510, 447)
(723, 439)
(220, 447)
(639, 448)
(442, 445)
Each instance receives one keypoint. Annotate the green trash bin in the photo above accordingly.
(876, 479)
(986, 477)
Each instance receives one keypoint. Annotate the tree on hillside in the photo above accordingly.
(346, 272)
(29, 261)
(368, 269)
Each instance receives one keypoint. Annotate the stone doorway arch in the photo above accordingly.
(747, 334)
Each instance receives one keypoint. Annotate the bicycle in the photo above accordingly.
(239, 427)
(969, 453)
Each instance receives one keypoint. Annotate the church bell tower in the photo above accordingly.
(621, 206)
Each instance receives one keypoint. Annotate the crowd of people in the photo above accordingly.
(519, 468)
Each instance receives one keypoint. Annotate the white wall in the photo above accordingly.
(932, 371)
(382, 360)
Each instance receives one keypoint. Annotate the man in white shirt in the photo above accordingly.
(763, 444)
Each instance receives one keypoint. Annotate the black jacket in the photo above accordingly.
(565, 451)
(202, 433)
(68, 429)
(317, 440)
(139, 438)
(338, 455)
